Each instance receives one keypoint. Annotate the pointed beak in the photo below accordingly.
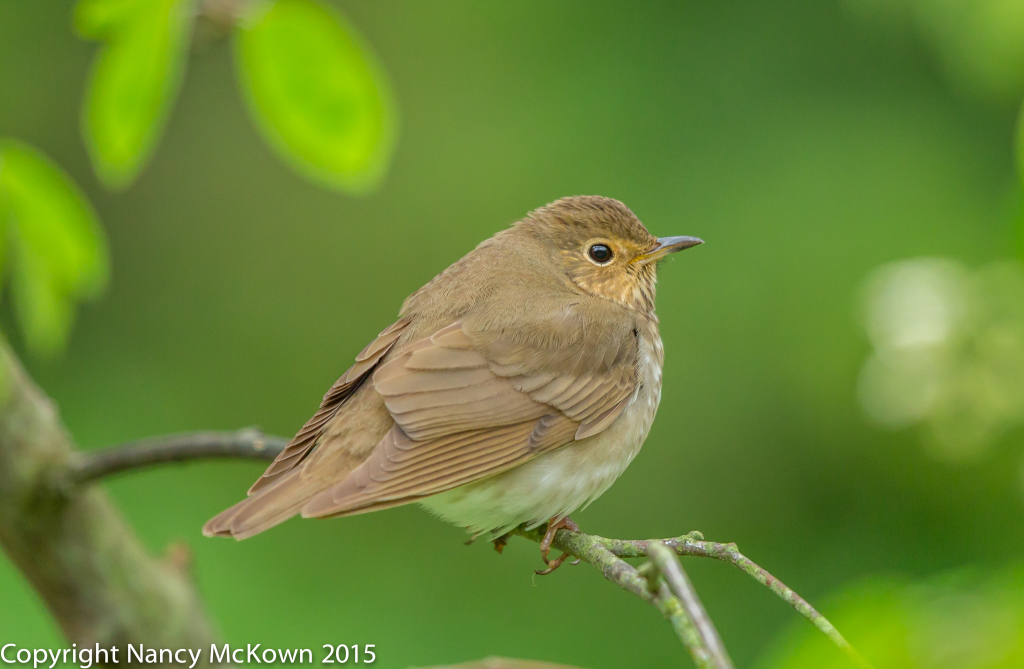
(667, 245)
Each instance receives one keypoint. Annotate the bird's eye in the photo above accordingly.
(600, 253)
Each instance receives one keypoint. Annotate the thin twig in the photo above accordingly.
(693, 544)
(601, 552)
(699, 633)
(248, 443)
(629, 578)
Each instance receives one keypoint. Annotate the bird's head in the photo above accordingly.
(604, 248)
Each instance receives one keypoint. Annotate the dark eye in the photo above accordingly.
(600, 253)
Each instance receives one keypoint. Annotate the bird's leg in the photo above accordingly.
(500, 542)
(545, 544)
(549, 536)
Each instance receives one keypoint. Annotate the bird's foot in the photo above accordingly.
(545, 544)
(555, 564)
(553, 526)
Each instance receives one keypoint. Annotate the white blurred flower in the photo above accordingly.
(916, 303)
(948, 351)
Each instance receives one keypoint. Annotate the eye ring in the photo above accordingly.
(600, 254)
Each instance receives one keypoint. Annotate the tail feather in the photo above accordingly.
(265, 509)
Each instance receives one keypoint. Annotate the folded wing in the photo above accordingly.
(469, 403)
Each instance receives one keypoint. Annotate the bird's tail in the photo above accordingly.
(265, 509)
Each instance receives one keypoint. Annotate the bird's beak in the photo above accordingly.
(667, 245)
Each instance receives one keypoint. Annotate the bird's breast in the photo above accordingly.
(566, 479)
(575, 475)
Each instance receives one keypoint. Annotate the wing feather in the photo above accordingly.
(468, 404)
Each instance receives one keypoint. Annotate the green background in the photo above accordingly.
(805, 146)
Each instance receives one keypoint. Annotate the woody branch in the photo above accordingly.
(72, 544)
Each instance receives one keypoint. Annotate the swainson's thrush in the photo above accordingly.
(515, 387)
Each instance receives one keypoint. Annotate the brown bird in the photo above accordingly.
(514, 388)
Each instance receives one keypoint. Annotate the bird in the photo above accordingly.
(513, 389)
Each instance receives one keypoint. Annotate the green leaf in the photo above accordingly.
(134, 79)
(97, 18)
(58, 251)
(317, 93)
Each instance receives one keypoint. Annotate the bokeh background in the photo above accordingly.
(859, 439)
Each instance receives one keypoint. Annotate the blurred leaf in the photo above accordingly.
(317, 93)
(979, 42)
(97, 18)
(134, 79)
(968, 619)
(58, 251)
(1020, 144)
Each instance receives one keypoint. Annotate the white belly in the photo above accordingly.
(559, 482)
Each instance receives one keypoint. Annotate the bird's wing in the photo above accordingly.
(469, 403)
(301, 444)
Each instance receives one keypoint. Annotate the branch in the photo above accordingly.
(72, 544)
(679, 604)
(698, 638)
(606, 555)
(693, 544)
(249, 443)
